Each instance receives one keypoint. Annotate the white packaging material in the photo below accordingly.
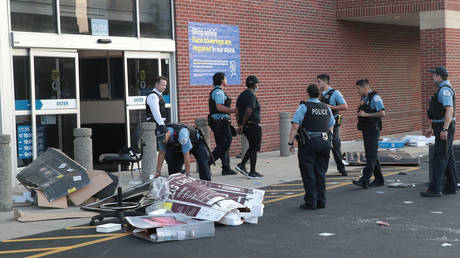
(107, 228)
(226, 204)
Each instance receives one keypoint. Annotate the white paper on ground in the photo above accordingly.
(326, 234)
(446, 244)
(107, 228)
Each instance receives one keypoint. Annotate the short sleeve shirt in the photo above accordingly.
(248, 99)
(302, 110)
(183, 138)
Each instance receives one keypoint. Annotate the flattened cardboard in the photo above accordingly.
(55, 174)
(175, 226)
(60, 203)
(29, 216)
(99, 180)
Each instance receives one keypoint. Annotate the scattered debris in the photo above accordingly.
(386, 157)
(226, 204)
(25, 197)
(169, 227)
(408, 202)
(382, 223)
(326, 234)
(289, 193)
(400, 185)
(257, 183)
(380, 192)
(437, 212)
(109, 227)
(402, 173)
(446, 244)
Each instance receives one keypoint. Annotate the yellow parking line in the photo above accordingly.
(66, 248)
(82, 227)
(29, 250)
(275, 196)
(58, 238)
(287, 185)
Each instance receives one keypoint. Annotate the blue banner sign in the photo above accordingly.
(213, 48)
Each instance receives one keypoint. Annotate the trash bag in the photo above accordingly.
(159, 189)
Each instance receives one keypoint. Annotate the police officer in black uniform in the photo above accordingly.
(370, 112)
(155, 104)
(312, 126)
(442, 115)
(175, 143)
(219, 121)
(335, 101)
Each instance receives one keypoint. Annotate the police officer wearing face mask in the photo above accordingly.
(335, 101)
(370, 112)
(442, 115)
(155, 104)
(312, 126)
(219, 121)
(175, 144)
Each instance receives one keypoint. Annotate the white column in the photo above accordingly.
(7, 119)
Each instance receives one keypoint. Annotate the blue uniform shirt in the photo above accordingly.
(335, 99)
(302, 110)
(219, 97)
(376, 102)
(183, 138)
(445, 97)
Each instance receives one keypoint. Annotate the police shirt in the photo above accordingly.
(248, 99)
(154, 103)
(183, 138)
(219, 97)
(302, 110)
(445, 97)
(376, 102)
(335, 99)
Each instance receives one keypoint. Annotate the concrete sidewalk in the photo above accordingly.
(276, 170)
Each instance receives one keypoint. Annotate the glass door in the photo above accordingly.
(140, 72)
(54, 101)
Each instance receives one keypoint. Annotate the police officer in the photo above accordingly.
(370, 112)
(312, 125)
(248, 115)
(335, 101)
(175, 144)
(219, 121)
(442, 115)
(155, 104)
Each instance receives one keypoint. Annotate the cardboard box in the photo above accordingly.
(55, 174)
(168, 227)
(99, 180)
(70, 213)
(60, 203)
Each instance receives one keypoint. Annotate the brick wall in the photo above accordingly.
(452, 38)
(357, 8)
(288, 43)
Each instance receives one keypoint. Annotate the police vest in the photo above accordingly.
(327, 98)
(175, 144)
(437, 110)
(369, 122)
(213, 105)
(162, 105)
(317, 117)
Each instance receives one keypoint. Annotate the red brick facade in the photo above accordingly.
(288, 43)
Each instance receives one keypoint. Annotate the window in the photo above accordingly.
(155, 18)
(54, 78)
(98, 17)
(33, 15)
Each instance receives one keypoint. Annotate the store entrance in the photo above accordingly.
(113, 88)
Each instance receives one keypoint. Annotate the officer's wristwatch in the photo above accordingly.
(290, 143)
(445, 129)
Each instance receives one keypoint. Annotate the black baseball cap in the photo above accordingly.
(161, 133)
(252, 80)
(440, 70)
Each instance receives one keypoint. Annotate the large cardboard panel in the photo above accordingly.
(60, 203)
(99, 180)
(29, 216)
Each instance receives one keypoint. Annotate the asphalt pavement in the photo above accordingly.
(418, 227)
